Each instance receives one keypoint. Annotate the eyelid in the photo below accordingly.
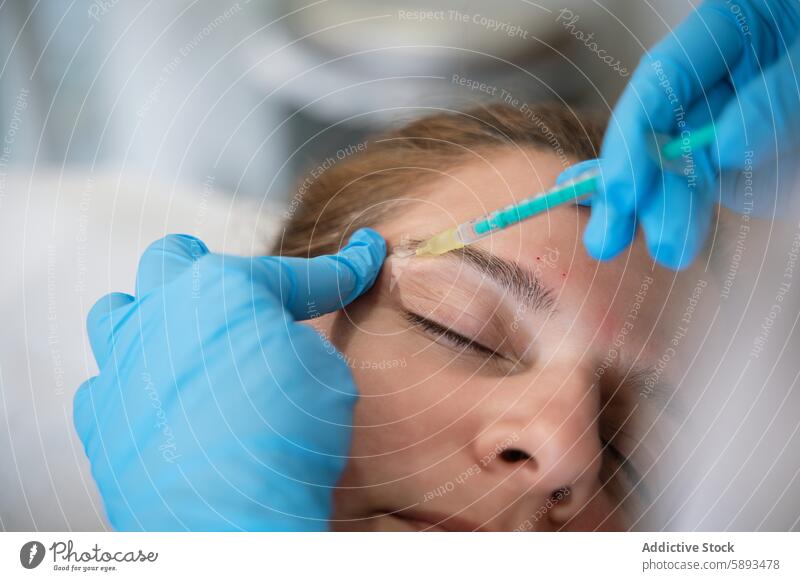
(453, 336)
(624, 462)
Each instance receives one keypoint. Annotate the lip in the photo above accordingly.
(428, 521)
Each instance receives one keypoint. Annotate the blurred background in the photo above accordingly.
(122, 121)
(249, 93)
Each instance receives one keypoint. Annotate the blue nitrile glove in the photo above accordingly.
(730, 62)
(214, 409)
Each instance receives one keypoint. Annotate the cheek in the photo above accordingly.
(395, 381)
(395, 413)
(410, 408)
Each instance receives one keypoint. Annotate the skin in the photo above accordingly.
(448, 438)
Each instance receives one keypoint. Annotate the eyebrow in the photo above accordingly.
(524, 284)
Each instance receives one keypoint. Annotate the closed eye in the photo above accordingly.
(620, 403)
(623, 462)
(454, 339)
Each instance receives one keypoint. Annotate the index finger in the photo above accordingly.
(320, 285)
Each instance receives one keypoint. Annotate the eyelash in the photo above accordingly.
(633, 382)
(619, 457)
(456, 339)
(623, 462)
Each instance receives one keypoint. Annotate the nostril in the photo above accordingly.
(513, 455)
(561, 496)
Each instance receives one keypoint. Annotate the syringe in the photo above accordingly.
(574, 190)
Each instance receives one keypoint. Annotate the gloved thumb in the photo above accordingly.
(316, 286)
(166, 259)
(764, 119)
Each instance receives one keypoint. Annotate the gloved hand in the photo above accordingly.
(214, 409)
(730, 62)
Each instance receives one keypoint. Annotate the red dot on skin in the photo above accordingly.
(538, 258)
(564, 274)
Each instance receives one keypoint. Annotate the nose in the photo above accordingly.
(540, 434)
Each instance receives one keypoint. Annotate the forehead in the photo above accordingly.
(486, 181)
(596, 293)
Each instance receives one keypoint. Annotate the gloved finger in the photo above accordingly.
(166, 259)
(629, 186)
(608, 232)
(764, 119)
(670, 78)
(103, 317)
(709, 105)
(703, 111)
(676, 220)
(574, 171)
(316, 286)
(83, 413)
(700, 52)
(627, 162)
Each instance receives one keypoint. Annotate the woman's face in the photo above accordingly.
(498, 385)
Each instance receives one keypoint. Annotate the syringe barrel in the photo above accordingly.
(576, 189)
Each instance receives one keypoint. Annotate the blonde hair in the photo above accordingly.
(359, 190)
